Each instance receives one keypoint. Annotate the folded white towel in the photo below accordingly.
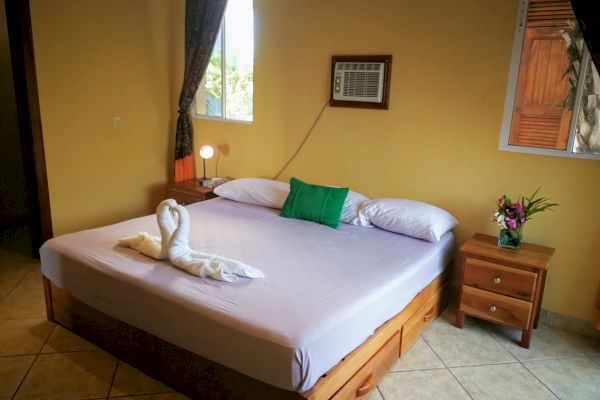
(152, 246)
(203, 264)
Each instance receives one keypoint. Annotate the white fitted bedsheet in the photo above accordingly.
(325, 291)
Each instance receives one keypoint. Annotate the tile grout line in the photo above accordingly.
(539, 380)
(33, 363)
(456, 366)
(17, 355)
(521, 363)
(447, 368)
(112, 381)
(414, 370)
(71, 351)
(487, 328)
(426, 369)
(50, 352)
(29, 269)
(22, 318)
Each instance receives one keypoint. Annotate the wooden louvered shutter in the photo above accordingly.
(539, 118)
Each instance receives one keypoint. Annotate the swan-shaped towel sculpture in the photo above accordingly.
(150, 245)
(203, 264)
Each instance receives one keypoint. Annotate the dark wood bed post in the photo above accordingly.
(20, 35)
(48, 298)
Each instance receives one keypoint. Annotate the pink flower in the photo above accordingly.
(519, 207)
(501, 200)
(512, 224)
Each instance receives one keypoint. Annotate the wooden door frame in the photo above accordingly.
(20, 36)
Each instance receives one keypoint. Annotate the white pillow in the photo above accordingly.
(261, 192)
(270, 193)
(409, 217)
(352, 205)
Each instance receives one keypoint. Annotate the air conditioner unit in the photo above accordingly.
(360, 81)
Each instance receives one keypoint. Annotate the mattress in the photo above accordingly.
(324, 294)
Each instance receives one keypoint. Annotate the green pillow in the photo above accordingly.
(315, 203)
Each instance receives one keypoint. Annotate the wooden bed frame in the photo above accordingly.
(352, 378)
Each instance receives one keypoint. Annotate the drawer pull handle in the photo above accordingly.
(429, 316)
(497, 280)
(365, 387)
(493, 308)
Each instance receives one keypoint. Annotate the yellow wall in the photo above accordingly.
(439, 140)
(97, 59)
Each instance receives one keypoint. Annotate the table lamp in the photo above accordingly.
(206, 152)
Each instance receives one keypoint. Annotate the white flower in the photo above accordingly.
(499, 218)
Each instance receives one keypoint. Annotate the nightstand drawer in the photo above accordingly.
(500, 279)
(184, 199)
(495, 307)
(189, 192)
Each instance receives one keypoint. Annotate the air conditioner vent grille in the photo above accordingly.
(361, 84)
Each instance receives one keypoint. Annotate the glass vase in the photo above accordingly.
(510, 238)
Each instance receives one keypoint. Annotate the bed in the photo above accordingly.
(336, 310)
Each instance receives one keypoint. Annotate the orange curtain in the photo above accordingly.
(184, 168)
(202, 22)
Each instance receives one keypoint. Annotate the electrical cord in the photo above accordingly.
(217, 162)
(303, 141)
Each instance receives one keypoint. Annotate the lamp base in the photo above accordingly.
(208, 183)
(213, 182)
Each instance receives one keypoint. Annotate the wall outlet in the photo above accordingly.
(117, 122)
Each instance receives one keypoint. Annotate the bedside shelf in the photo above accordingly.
(503, 286)
(190, 191)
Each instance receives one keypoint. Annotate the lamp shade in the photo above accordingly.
(206, 152)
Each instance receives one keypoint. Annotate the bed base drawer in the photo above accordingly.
(416, 324)
(495, 307)
(365, 380)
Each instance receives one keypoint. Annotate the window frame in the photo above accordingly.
(511, 90)
(202, 91)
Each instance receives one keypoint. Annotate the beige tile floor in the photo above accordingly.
(40, 360)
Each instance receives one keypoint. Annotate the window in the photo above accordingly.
(552, 104)
(226, 90)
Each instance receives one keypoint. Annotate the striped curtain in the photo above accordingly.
(202, 22)
(587, 13)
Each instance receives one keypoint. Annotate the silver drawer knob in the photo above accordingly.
(493, 308)
(497, 280)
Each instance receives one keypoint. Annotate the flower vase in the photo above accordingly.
(510, 238)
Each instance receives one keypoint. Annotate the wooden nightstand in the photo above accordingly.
(502, 285)
(190, 191)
